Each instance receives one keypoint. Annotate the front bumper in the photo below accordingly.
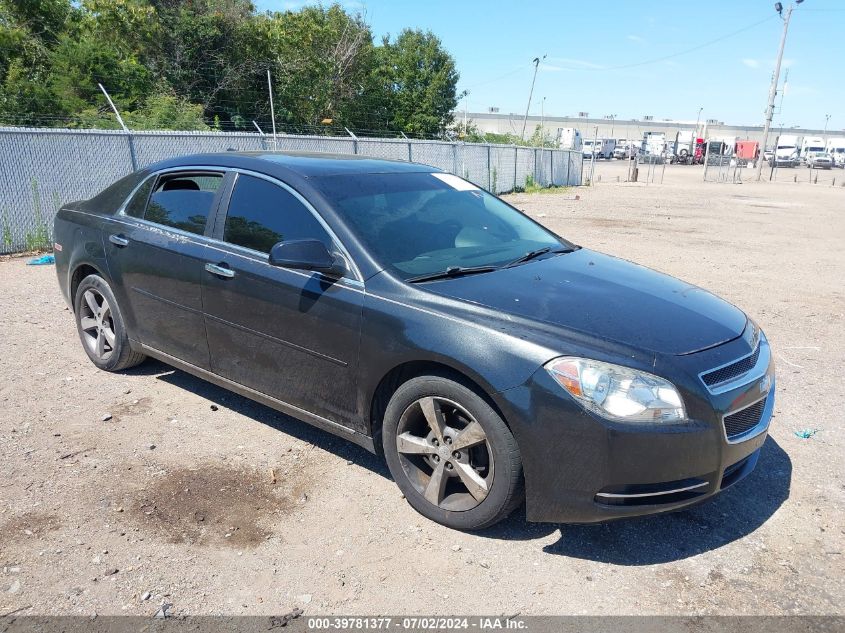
(581, 468)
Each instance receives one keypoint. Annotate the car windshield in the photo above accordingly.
(424, 223)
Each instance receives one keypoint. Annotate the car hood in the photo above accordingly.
(605, 297)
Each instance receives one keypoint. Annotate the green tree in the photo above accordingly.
(416, 83)
(320, 59)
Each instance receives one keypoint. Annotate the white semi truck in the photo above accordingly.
(787, 151)
(836, 148)
(569, 138)
(653, 143)
(814, 144)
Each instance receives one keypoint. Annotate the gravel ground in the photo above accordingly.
(190, 495)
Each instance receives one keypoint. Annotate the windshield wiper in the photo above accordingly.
(452, 271)
(536, 253)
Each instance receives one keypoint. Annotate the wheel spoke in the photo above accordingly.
(436, 485)
(87, 323)
(434, 416)
(407, 443)
(475, 484)
(470, 436)
(105, 309)
(91, 300)
(101, 348)
(109, 334)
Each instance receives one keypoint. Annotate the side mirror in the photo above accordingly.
(306, 255)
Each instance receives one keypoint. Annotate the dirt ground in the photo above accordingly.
(193, 496)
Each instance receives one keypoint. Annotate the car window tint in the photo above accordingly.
(183, 201)
(418, 223)
(262, 214)
(135, 207)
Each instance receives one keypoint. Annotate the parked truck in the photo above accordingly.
(787, 151)
(686, 144)
(746, 152)
(569, 138)
(836, 148)
(653, 143)
(811, 145)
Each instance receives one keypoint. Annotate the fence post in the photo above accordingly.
(551, 166)
(132, 157)
(455, 158)
(515, 163)
(536, 173)
(489, 176)
(410, 155)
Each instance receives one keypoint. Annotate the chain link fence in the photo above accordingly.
(43, 168)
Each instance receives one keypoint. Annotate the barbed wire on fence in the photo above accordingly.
(42, 168)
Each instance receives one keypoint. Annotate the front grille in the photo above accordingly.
(741, 422)
(734, 370)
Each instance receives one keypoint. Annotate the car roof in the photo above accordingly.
(302, 164)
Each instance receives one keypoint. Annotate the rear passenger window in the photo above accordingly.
(183, 201)
(135, 207)
(262, 214)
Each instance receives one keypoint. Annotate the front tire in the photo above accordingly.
(101, 327)
(451, 454)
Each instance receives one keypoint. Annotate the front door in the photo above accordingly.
(156, 250)
(292, 335)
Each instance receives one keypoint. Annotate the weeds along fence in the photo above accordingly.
(43, 168)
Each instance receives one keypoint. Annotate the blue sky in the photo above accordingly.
(595, 52)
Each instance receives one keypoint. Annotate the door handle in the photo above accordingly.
(118, 240)
(220, 271)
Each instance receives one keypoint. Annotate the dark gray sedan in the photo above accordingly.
(421, 317)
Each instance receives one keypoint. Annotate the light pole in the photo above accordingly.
(773, 89)
(697, 119)
(536, 63)
(612, 118)
(826, 121)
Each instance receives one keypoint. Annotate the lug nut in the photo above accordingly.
(456, 454)
(435, 442)
(436, 458)
(448, 465)
(448, 440)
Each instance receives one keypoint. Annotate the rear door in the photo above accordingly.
(156, 250)
(290, 334)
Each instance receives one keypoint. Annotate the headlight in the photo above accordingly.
(616, 392)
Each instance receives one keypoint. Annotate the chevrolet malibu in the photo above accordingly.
(489, 360)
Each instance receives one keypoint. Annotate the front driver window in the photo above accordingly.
(262, 214)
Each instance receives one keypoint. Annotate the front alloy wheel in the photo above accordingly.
(451, 453)
(445, 453)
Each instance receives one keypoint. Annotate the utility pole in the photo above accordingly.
(773, 89)
(536, 63)
(697, 119)
(826, 121)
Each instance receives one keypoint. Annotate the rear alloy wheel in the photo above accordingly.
(97, 325)
(451, 454)
(101, 326)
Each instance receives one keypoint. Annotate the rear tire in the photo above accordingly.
(451, 454)
(101, 327)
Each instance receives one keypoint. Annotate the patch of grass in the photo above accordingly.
(39, 238)
(7, 231)
(549, 189)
